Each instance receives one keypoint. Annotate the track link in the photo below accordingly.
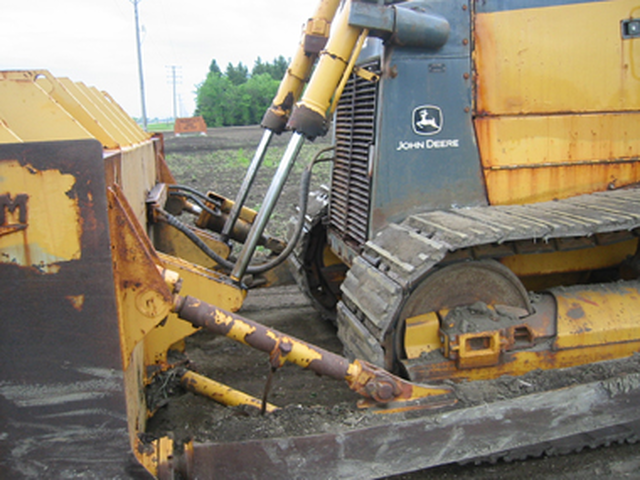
(401, 255)
(604, 437)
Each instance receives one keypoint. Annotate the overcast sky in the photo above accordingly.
(93, 41)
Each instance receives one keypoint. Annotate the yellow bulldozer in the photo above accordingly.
(481, 224)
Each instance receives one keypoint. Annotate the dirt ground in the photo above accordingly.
(313, 404)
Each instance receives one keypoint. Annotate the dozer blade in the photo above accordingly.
(510, 429)
(62, 400)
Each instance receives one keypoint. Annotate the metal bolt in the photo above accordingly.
(150, 303)
(286, 347)
(385, 391)
(380, 390)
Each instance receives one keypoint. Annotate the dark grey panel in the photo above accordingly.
(424, 161)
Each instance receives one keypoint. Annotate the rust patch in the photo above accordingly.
(575, 312)
(76, 301)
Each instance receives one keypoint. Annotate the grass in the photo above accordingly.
(160, 127)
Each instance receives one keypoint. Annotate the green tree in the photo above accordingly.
(276, 69)
(256, 96)
(279, 67)
(259, 67)
(238, 74)
(235, 97)
(215, 99)
(214, 68)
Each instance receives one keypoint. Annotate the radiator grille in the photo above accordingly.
(355, 134)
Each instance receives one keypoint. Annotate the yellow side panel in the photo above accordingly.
(598, 315)
(568, 58)
(525, 159)
(529, 141)
(539, 158)
(543, 184)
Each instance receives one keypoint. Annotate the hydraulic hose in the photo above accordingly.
(195, 199)
(191, 190)
(305, 184)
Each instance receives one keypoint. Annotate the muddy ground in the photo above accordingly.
(313, 404)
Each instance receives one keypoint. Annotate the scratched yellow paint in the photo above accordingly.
(598, 315)
(558, 94)
(52, 232)
(302, 354)
(566, 58)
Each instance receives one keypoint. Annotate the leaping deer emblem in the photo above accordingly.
(426, 121)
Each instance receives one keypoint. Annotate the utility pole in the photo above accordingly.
(175, 79)
(140, 75)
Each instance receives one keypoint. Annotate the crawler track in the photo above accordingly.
(393, 264)
(401, 256)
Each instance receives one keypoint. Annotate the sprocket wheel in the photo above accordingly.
(456, 285)
(320, 272)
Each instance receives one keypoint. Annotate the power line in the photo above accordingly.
(175, 78)
(140, 75)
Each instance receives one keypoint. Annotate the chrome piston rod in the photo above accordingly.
(268, 204)
(250, 176)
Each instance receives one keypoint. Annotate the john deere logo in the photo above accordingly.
(427, 120)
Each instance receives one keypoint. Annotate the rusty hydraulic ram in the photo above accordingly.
(371, 382)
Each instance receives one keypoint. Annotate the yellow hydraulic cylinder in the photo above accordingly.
(219, 392)
(313, 41)
(309, 118)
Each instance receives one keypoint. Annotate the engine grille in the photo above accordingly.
(355, 134)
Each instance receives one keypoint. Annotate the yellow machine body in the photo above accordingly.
(92, 276)
(552, 125)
